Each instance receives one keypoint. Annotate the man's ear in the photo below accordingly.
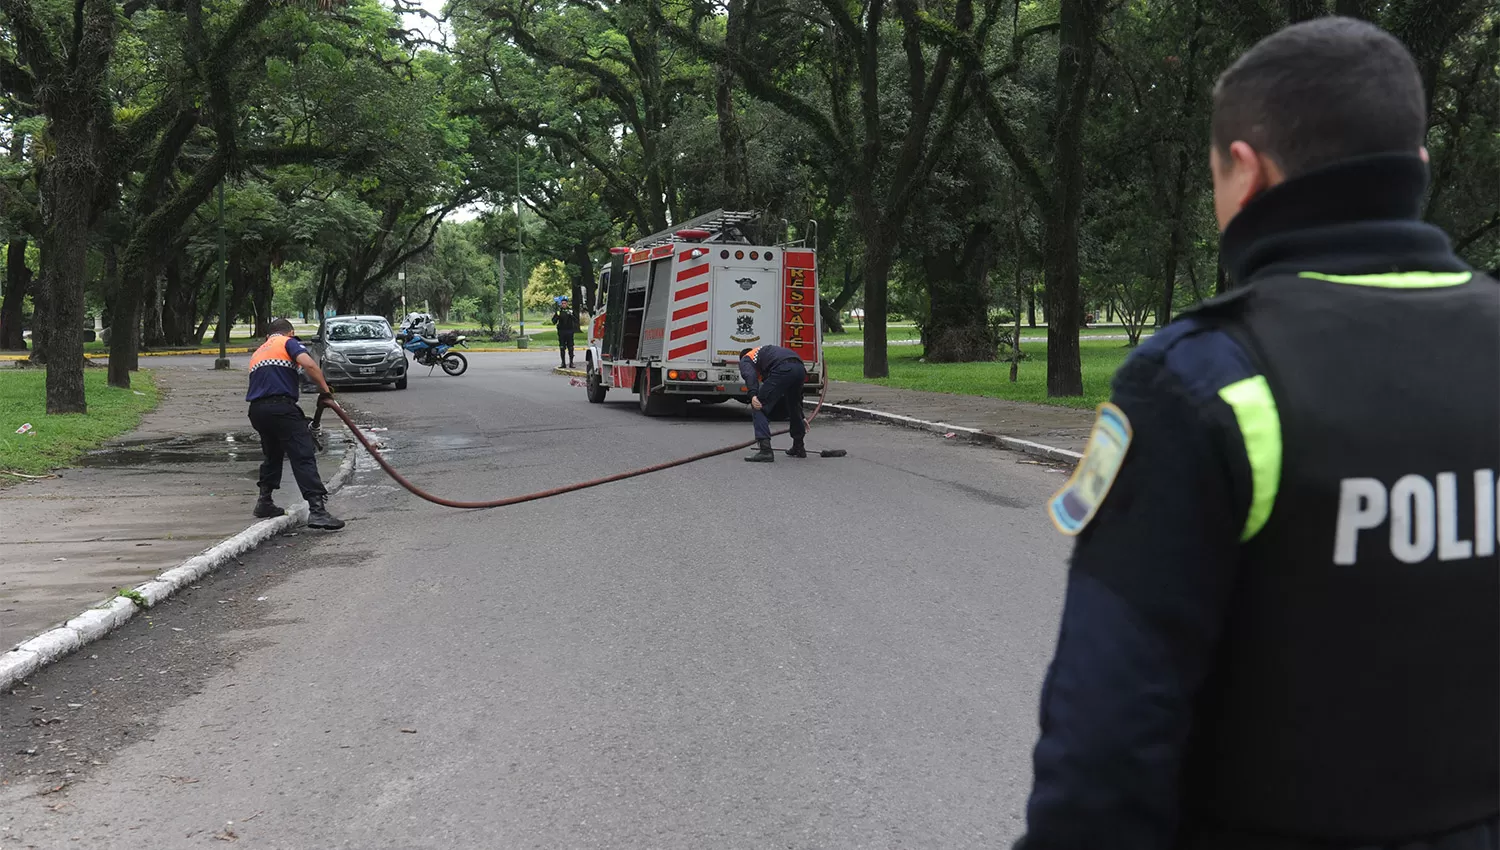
(1422, 152)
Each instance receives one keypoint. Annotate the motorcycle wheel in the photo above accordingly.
(455, 364)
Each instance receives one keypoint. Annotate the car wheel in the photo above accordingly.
(401, 383)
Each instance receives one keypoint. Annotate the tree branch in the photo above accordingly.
(757, 84)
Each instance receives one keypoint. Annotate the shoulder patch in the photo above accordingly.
(1079, 499)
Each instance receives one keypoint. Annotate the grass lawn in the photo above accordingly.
(852, 333)
(1100, 360)
(57, 441)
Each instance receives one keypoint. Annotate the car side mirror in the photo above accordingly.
(316, 339)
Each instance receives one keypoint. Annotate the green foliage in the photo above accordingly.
(548, 281)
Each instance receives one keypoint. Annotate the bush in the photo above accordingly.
(503, 333)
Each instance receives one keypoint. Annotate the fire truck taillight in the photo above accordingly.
(739, 255)
(686, 375)
(754, 255)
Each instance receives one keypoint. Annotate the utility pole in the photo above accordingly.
(520, 260)
(223, 361)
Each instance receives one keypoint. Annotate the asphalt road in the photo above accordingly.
(827, 653)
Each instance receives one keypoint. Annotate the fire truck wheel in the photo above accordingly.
(596, 389)
(653, 404)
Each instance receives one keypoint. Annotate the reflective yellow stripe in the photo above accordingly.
(1397, 280)
(1260, 428)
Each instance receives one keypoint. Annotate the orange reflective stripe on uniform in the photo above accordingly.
(272, 352)
(752, 353)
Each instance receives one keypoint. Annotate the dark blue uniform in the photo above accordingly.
(773, 373)
(278, 419)
(1231, 672)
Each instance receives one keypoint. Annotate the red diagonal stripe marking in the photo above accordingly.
(689, 330)
(690, 310)
(690, 348)
(695, 289)
(692, 272)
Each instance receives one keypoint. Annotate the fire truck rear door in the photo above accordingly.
(746, 304)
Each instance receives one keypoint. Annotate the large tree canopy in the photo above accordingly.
(962, 158)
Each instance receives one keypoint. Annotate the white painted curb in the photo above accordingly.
(35, 653)
(1013, 443)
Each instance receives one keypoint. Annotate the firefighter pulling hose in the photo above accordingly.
(325, 403)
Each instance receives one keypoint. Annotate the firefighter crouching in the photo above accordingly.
(773, 373)
(282, 426)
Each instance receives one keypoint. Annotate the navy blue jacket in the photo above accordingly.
(1153, 573)
(767, 357)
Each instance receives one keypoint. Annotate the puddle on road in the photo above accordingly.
(232, 447)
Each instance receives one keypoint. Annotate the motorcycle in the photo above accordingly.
(437, 351)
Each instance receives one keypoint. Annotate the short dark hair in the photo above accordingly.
(281, 326)
(1319, 92)
(743, 352)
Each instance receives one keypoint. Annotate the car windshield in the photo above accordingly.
(345, 331)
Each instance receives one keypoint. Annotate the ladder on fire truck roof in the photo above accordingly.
(718, 224)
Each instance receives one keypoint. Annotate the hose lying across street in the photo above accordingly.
(555, 491)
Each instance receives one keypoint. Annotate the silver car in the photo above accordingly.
(354, 350)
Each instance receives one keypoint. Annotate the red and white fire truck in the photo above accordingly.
(673, 311)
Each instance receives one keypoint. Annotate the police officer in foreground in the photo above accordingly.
(1282, 622)
(567, 326)
(773, 373)
(282, 426)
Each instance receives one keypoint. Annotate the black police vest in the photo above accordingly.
(1357, 691)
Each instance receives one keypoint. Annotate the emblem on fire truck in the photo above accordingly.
(744, 325)
(746, 282)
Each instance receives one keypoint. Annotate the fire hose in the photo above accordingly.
(330, 404)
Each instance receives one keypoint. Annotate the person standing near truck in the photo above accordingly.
(567, 327)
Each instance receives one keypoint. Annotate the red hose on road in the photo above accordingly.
(541, 494)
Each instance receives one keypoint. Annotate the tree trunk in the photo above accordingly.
(124, 335)
(958, 291)
(1077, 39)
(68, 190)
(1031, 306)
(153, 334)
(877, 271)
(17, 282)
(731, 137)
(260, 296)
(1298, 11)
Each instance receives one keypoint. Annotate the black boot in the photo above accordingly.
(265, 508)
(763, 453)
(319, 517)
(798, 450)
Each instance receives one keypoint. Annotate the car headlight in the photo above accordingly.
(335, 354)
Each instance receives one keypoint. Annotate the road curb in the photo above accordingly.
(1017, 444)
(37, 652)
(1029, 447)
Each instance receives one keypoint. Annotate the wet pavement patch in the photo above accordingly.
(229, 447)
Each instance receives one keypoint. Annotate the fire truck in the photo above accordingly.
(673, 311)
